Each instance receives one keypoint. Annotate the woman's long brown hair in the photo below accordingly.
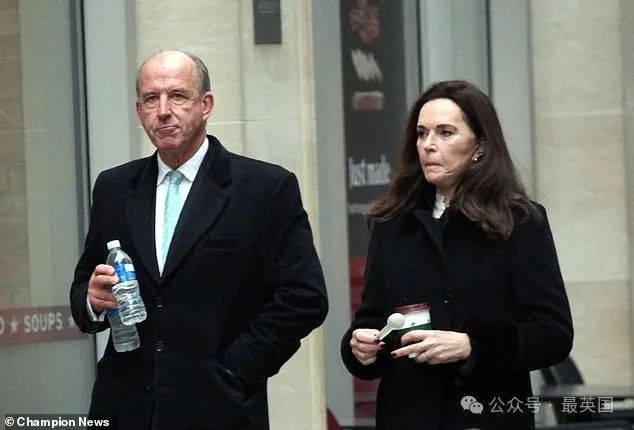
(489, 192)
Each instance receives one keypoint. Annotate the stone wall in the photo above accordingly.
(580, 172)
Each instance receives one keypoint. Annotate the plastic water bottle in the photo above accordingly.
(124, 337)
(129, 301)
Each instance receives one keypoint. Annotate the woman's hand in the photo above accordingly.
(365, 345)
(434, 346)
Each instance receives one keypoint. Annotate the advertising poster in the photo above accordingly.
(374, 115)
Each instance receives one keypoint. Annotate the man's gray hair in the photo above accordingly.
(201, 70)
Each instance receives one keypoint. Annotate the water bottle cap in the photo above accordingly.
(113, 244)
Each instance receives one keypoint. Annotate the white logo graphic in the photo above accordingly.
(366, 66)
(470, 403)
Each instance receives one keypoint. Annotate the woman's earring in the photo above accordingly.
(475, 158)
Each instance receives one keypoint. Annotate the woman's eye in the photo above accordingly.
(446, 133)
(421, 133)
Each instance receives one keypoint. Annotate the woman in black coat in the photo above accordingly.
(458, 232)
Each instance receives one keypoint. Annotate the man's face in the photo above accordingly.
(171, 108)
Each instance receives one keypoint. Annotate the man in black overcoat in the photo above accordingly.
(228, 298)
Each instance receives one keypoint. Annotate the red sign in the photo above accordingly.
(43, 324)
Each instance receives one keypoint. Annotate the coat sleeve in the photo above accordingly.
(294, 284)
(541, 334)
(371, 314)
(93, 254)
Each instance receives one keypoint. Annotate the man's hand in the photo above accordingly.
(365, 345)
(434, 346)
(100, 288)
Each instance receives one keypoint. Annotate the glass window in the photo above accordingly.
(47, 364)
(454, 36)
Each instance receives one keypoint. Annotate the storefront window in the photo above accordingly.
(42, 354)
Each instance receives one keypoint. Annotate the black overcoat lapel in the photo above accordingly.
(139, 212)
(443, 313)
(432, 230)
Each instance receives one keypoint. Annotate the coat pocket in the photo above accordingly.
(237, 405)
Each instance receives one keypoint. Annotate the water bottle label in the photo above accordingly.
(125, 272)
(113, 312)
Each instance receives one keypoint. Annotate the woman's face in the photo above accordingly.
(446, 144)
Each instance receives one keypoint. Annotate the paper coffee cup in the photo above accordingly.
(417, 317)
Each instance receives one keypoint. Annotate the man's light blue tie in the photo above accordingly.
(173, 206)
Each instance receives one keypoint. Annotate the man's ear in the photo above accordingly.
(208, 101)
